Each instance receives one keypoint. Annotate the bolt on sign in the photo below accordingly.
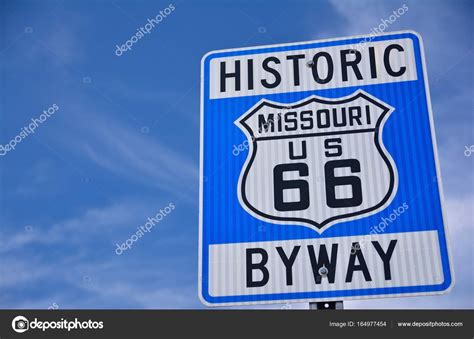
(319, 175)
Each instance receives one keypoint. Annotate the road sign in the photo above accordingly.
(319, 175)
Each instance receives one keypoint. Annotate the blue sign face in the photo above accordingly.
(319, 173)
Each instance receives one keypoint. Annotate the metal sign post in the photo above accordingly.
(326, 305)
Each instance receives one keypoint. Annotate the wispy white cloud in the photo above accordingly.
(148, 296)
(106, 222)
(91, 275)
(14, 271)
(124, 151)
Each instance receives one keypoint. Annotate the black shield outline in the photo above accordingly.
(320, 227)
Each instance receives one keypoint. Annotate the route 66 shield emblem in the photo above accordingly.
(318, 161)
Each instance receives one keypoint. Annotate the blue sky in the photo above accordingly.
(125, 140)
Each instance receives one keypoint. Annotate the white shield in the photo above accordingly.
(316, 162)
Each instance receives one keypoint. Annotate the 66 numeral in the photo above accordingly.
(281, 185)
(332, 181)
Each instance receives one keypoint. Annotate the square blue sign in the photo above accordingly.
(319, 174)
